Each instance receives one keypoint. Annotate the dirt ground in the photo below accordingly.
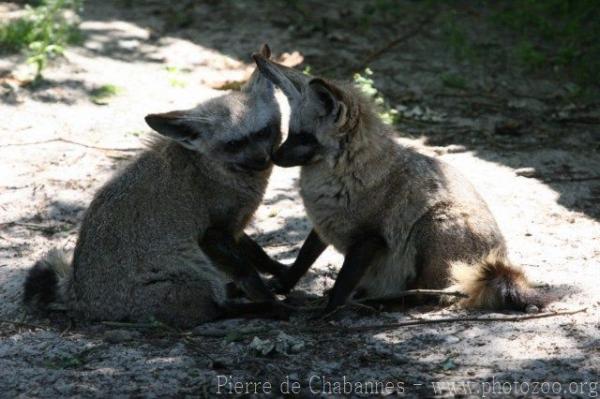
(57, 147)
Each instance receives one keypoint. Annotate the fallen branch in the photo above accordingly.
(587, 120)
(196, 348)
(569, 179)
(120, 324)
(35, 226)
(238, 332)
(374, 55)
(164, 327)
(405, 36)
(403, 294)
(61, 140)
(361, 303)
(21, 324)
(451, 320)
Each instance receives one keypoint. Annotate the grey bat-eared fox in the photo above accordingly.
(161, 239)
(402, 219)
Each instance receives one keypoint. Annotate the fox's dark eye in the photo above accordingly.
(234, 146)
(263, 133)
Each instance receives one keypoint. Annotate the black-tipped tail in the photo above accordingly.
(495, 283)
(42, 285)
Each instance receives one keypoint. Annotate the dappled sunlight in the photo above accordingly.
(526, 138)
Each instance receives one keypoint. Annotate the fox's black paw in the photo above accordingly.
(277, 286)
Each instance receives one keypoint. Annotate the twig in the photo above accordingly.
(329, 314)
(238, 332)
(132, 325)
(413, 32)
(360, 305)
(588, 120)
(197, 349)
(390, 298)
(467, 95)
(570, 179)
(158, 325)
(21, 323)
(36, 226)
(61, 140)
(453, 320)
(6, 239)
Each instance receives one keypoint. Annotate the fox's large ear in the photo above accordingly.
(265, 51)
(181, 126)
(272, 71)
(331, 99)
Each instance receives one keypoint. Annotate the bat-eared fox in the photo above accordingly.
(161, 239)
(402, 219)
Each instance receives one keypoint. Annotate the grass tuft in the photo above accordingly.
(43, 33)
(103, 94)
(366, 84)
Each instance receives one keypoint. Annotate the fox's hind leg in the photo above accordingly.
(441, 241)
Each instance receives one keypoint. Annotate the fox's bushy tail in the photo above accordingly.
(494, 283)
(45, 283)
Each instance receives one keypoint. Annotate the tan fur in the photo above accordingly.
(361, 181)
(137, 256)
(492, 283)
(59, 260)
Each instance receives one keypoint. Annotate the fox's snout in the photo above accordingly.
(298, 149)
(257, 163)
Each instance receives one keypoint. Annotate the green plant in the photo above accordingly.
(175, 76)
(15, 35)
(562, 33)
(43, 33)
(529, 56)
(457, 38)
(63, 362)
(453, 81)
(366, 84)
(102, 94)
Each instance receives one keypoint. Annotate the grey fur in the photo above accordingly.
(356, 180)
(137, 256)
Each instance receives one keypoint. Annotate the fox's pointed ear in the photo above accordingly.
(331, 99)
(265, 51)
(272, 71)
(178, 125)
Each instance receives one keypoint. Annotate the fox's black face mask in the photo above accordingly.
(299, 149)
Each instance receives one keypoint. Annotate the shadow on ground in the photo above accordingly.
(503, 112)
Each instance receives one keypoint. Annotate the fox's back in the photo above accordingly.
(133, 218)
(154, 210)
(386, 194)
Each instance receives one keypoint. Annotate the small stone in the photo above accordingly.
(288, 344)
(455, 148)
(526, 172)
(262, 346)
(532, 309)
(451, 339)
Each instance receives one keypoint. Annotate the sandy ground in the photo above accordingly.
(57, 147)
